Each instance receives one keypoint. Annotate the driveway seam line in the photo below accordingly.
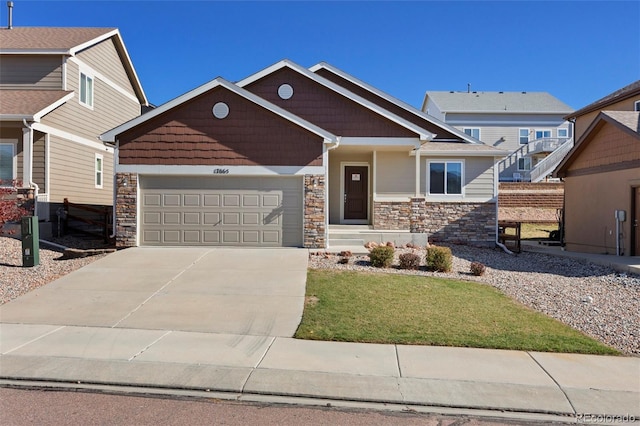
(159, 290)
(36, 339)
(273, 339)
(554, 381)
(149, 345)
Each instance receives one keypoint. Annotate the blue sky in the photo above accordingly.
(579, 51)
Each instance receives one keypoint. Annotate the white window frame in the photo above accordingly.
(14, 149)
(636, 106)
(530, 164)
(464, 129)
(544, 131)
(446, 194)
(520, 136)
(565, 130)
(98, 175)
(83, 100)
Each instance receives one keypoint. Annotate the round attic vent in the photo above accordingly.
(220, 110)
(285, 91)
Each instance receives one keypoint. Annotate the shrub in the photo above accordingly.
(343, 260)
(439, 259)
(11, 206)
(477, 268)
(409, 261)
(381, 256)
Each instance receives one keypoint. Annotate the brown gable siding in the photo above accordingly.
(190, 135)
(389, 106)
(607, 145)
(325, 108)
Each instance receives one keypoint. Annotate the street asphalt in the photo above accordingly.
(222, 320)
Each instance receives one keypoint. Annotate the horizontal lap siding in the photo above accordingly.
(25, 72)
(191, 135)
(395, 174)
(105, 58)
(479, 180)
(325, 108)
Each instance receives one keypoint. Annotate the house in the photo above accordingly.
(602, 177)
(60, 88)
(281, 156)
(530, 125)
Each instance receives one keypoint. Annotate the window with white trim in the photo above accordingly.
(636, 105)
(523, 136)
(524, 163)
(8, 163)
(543, 134)
(86, 89)
(445, 177)
(474, 132)
(563, 133)
(99, 172)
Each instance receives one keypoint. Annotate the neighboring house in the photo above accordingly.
(278, 157)
(602, 177)
(60, 88)
(530, 125)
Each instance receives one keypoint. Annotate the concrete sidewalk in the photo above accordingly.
(553, 386)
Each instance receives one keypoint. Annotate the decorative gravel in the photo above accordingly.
(16, 280)
(594, 299)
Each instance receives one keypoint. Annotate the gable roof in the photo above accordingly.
(30, 104)
(627, 121)
(497, 102)
(423, 134)
(393, 100)
(112, 134)
(66, 41)
(628, 91)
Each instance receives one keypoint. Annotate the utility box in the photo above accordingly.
(30, 241)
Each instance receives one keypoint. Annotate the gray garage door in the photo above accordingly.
(229, 211)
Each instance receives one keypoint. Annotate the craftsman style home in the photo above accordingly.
(60, 88)
(284, 155)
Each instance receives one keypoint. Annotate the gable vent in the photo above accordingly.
(220, 110)
(285, 91)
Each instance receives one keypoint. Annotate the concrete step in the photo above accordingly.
(346, 241)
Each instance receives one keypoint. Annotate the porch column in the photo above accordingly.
(417, 172)
(27, 156)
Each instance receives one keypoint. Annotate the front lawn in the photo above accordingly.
(402, 309)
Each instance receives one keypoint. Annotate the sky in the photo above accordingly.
(578, 51)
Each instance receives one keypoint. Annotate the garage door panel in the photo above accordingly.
(251, 211)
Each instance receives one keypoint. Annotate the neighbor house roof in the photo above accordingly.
(627, 121)
(111, 135)
(30, 104)
(66, 41)
(632, 89)
(497, 102)
(393, 100)
(423, 133)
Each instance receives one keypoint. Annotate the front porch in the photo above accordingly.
(354, 237)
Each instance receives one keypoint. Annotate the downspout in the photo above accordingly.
(28, 162)
(496, 192)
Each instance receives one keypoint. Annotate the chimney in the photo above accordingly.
(10, 6)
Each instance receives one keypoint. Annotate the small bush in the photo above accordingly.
(409, 261)
(477, 268)
(381, 256)
(439, 259)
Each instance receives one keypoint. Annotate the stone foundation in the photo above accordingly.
(315, 233)
(126, 209)
(391, 215)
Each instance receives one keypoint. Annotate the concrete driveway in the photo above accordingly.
(214, 290)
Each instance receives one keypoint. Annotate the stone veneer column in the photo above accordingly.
(418, 215)
(314, 212)
(126, 209)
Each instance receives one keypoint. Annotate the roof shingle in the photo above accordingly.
(48, 38)
(28, 102)
(506, 102)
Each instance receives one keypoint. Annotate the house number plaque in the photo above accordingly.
(220, 171)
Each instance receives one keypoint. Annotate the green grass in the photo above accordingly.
(537, 231)
(403, 309)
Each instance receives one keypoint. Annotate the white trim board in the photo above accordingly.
(71, 137)
(223, 170)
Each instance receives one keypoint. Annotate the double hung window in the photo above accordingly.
(445, 177)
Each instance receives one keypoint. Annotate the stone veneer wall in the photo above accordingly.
(391, 215)
(126, 209)
(314, 212)
(463, 223)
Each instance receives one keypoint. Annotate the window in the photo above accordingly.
(98, 169)
(445, 178)
(524, 163)
(636, 105)
(542, 134)
(473, 132)
(8, 163)
(524, 136)
(563, 133)
(86, 90)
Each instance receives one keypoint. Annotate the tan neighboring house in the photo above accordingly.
(602, 176)
(60, 88)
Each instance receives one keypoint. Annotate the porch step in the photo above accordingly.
(358, 236)
(345, 241)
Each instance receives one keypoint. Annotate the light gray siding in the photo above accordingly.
(105, 58)
(395, 174)
(39, 160)
(25, 72)
(73, 173)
